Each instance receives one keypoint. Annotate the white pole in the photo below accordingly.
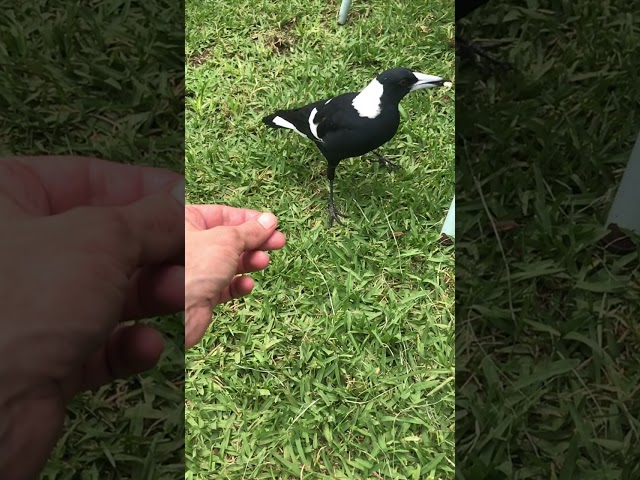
(449, 227)
(344, 11)
(625, 210)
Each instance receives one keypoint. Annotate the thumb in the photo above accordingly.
(256, 231)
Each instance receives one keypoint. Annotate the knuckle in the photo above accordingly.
(106, 223)
(115, 226)
(99, 231)
(235, 237)
(162, 222)
(106, 230)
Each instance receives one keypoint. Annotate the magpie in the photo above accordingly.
(355, 123)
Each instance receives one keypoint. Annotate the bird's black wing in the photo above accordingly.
(335, 116)
(343, 133)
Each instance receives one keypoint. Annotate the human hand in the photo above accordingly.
(223, 242)
(85, 245)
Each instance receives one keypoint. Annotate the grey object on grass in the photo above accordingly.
(344, 11)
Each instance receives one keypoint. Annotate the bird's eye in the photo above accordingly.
(404, 82)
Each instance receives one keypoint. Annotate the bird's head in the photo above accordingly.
(390, 87)
(398, 82)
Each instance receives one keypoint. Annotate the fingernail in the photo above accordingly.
(267, 220)
(178, 192)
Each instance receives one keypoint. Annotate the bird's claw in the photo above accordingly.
(385, 162)
(471, 49)
(388, 163)
(334, 215)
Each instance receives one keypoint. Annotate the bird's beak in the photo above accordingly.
(428, 81)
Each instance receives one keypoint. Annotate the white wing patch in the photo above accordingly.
(283, 123)
(367, 102)
(314, 126)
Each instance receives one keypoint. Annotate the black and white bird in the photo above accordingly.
(354, 124)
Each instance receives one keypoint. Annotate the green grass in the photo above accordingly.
(548, 322)
(104, 80)
(340, 364)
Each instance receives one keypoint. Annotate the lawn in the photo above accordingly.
(341, 363)
(104, 79)
(548, 324)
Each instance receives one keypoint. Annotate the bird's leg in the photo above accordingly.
(334, 213)
(382, 160)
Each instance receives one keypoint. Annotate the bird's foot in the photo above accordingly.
(334, 215)
(471, 50)
(385, 162)
(388, 163)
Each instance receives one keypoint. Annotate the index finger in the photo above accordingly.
(54, 184)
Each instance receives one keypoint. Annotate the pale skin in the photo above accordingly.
(86, 245)
(223, 242)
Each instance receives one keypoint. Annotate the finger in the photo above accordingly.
(204, 217)
(129, 351)
(253, 233)
(149, 231)
(252, 261)
(54, 184)
(154, 291)
(276, 241)
(239, 287)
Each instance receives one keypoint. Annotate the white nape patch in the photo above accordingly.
(283, 123)
(367, 102)
(314, 126)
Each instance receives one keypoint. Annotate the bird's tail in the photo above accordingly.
(294, 119)
(288, 118)
(269, 120)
